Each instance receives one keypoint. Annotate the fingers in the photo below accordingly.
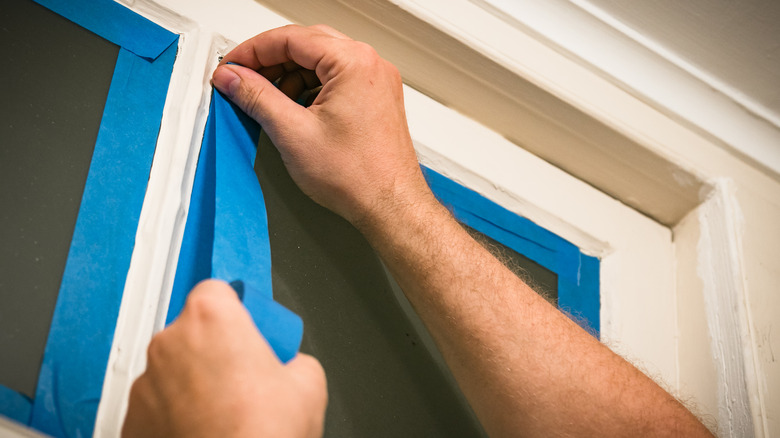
(293, 84)
(212, 359)
(330, 31)
(308, 371)
(141, 405)
(306, 46)
(212, 313)
(309, 376)
(214, 287)
(259, 98)
(273, 72)
(212, 300)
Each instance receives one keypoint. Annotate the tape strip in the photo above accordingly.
(117, 24)
(74, 363)
(15, 405)
(77, 349)
(226, 235)
(578, 274)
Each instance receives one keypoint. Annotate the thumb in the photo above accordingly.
(307, 370)
(258, 97)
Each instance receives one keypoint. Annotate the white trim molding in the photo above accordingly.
(650, 72)
(161, 224)
(520, 86)
(149, 282)
(741, 408)
(12, 429)
(565, 85)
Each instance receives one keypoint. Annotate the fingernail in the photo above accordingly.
(226, 80)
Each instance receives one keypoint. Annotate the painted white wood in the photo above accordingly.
(12, 429)
(729, 317)
(161, 224)
(638, 299)
(652, 72)
(518, 85)
(730, 45)
(696, 374)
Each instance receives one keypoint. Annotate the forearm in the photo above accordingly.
(526, 369)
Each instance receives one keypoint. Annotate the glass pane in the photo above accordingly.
(385, 377)
(54, 80)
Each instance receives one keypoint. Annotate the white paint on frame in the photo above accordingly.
(741, 410)
(163, 216)
(655, 74)
(12, 429)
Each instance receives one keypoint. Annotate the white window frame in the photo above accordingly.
(638, 289)
(644, 260)
(688, 171)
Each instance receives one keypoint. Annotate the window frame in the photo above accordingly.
(639, 154)
(596, 223)
(638, 273)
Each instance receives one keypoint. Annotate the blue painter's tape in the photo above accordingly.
(282, 328)
(226, 235)
(15, 405)
(82, 329)
(578, 274)
(197, 244)
(241, 246)
(117, 24)
(582, 300)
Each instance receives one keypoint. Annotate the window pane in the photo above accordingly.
(385, 379)
(54, 85)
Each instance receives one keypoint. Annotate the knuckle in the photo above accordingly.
(393, 72)
(313, 379)
(291, 26)
(365, 57)
(328, 30)
(322, 28)
(201, 307)
(207, 299)
(365, 53)
(155, 352)
(139, 387)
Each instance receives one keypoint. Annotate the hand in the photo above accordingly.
(350, 150)
(211, 373)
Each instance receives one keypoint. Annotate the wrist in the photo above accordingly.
(403, 208)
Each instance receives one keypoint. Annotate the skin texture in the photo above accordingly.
(211, 374)
(526, 369)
